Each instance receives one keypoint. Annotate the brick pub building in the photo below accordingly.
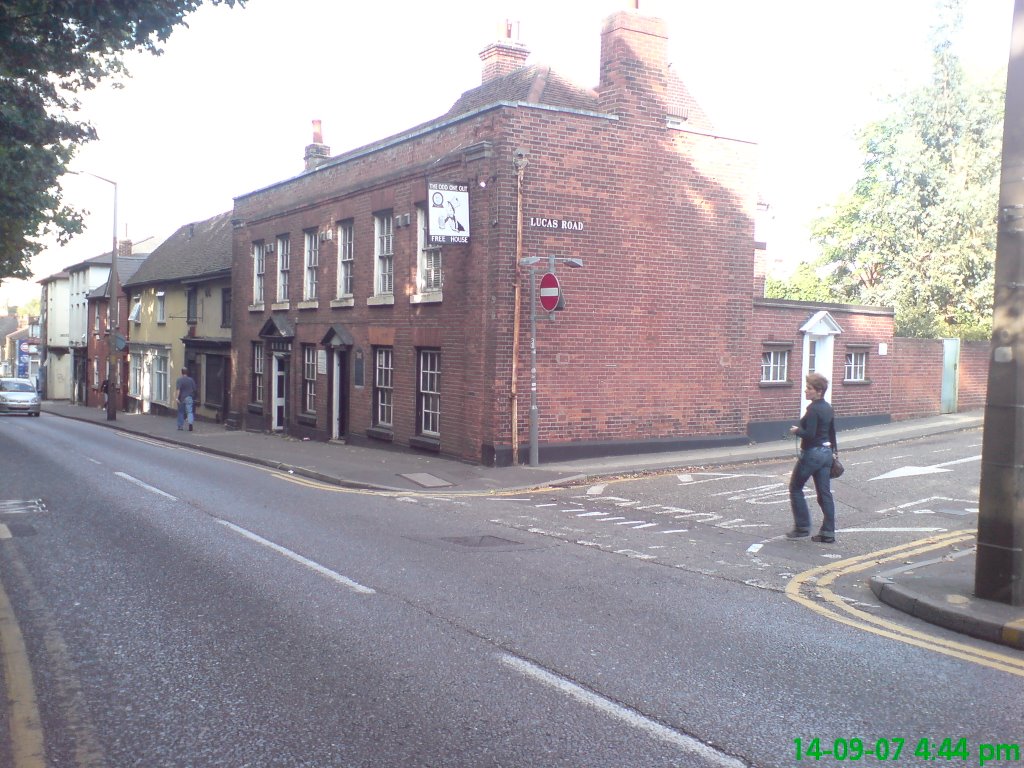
(381, 293)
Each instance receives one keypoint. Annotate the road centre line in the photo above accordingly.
(314, 566)
(148, 487)
(822, 577)
(629, 716)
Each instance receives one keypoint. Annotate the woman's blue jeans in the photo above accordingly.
(816, 463)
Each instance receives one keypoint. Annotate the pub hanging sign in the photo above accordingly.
(447, 212)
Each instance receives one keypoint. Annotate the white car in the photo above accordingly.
(18, 396)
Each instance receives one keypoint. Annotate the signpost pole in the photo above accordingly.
(534, 413)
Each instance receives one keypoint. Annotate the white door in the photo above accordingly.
(820, 332)
(278, 399)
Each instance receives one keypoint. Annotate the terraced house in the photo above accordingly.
(179, 315)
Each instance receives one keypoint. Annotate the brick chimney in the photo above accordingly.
(124, 248)
(634, 61)
(504, 56)
(317, 153)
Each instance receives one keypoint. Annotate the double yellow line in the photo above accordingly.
(825, 602)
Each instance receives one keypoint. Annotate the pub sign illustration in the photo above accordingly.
(449, 212)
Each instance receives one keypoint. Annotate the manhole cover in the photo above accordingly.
(479, 541)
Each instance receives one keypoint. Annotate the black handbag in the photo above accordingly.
(837, 467)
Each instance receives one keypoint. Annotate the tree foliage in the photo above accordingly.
(50, 51)
(918, 232)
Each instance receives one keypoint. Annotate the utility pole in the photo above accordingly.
(999, 573)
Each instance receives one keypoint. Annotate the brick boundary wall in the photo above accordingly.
(917, 377)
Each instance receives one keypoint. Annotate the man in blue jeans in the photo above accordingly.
(817, 433)
(186, 387)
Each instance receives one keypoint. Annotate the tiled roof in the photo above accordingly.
(202, 248)
(126, 267)
(534, 84)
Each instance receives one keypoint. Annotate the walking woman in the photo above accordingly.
(817, 433)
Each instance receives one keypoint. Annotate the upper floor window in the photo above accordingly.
(284, 258)
(135, 315)
(384, 254)
(225, 307)
(259, 267)
(192, 306)
(312, 264)
(346, 257)
(161, 307)
(429, 277)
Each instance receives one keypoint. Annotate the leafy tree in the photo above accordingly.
(50, 51)
(805, 284)
(918, 232)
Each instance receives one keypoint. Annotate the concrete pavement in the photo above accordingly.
(939, 591)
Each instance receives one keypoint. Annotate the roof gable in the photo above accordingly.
(197, 249)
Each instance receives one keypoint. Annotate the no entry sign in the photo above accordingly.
(549, 292)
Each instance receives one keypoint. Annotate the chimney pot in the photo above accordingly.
(317, 153)
(504, 56)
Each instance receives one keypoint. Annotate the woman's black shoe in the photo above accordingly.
(821, 539)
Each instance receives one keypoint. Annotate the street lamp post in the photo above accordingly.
(113, 370)
(531, 262)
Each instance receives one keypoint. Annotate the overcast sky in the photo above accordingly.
(228, 108)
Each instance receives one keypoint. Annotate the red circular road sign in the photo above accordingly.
(549, 292)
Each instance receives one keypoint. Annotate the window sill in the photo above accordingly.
(345, 301)
(430, 297)
(381, 300)
(255, 408)
(279, 305)
(774, 384)
(856, 382)
(309, 304)
(380, 433)
(256, 307)
(425, 443)
(306, 419)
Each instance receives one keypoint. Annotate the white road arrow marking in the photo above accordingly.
(912, 471)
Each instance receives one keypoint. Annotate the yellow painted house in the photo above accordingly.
(180, 317)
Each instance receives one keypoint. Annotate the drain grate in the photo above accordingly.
(479, 541)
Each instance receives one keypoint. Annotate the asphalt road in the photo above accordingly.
(182, 610)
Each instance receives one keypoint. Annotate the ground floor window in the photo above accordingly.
(383, 388)
(214, 393)
(856, 366)
(135, 375)
(308, 378)
(428, 393)
(161, 379)
(774, 365)
(257, 372)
